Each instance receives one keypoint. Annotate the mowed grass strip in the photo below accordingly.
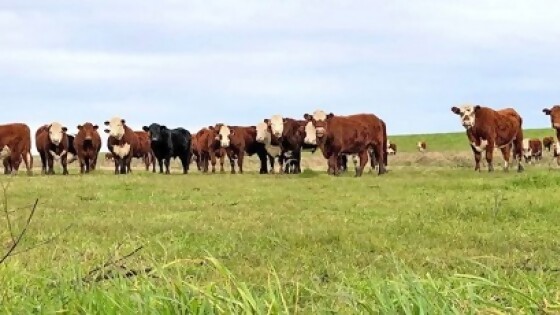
(419, 239)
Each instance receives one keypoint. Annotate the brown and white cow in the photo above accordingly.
(487, 128)
(271, 145)
(122, 143)
(354, 134)
(547, 142)
(421, 146)
(391, 148)
(554, 113)
(206, 147)
(87, 144)
(144, 150)
(240, 141)
(15, 146)
(532, 150)
(52, 144)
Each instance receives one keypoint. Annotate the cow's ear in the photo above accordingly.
(546, 111)
(106, 123)
(476, 108)
(106, 130)
(145, 128)
(266, 121)
(306, 116)
(123, 121)
(95, 127)
(211, 128)
(79, 127)
(330, 115)
(284, 120)
(455, 110)
(64, 129)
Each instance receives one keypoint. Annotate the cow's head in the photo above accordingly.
(467, 114)
(56, 133)
(155, 131)
(88, 130)
(224, 132)
(319, 119)
(276, 124)
(554, 114)
(116, 127)
(262, 131)
(310, 134)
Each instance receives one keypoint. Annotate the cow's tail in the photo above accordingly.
(385, 154)
(26, 154)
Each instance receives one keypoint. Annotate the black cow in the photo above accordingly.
(72, 150)
(170, 143)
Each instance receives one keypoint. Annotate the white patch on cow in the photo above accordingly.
(224, 133)
(319, 115)
(121, 151)
(526, 148)
(262, 132)
(70, 157)
(480, 148)
(467, 116)
(116, 128)
(310, 134)
(506, 164)
(390, 151)
(5, 152)
(277, 125)
(56, 133)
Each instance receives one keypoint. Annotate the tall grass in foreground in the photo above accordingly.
(168, 292)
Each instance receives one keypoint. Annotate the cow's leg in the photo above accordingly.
(333, 161)
(490, 155)
(297, 162)
(363, 162)
(213, 160)
(263, 155)
(185, 159)
(222, 161)
(372, 162)
(518, 151)
(240, 157)
(506, 152)
(28, 160)
(82, 161)
(160, 162)
(6, 161)
(50, 164)
(477, 158)
(380, 158)
(117, 162)
(271, 160)
(281, 161)
(167, 162)
(43, 162)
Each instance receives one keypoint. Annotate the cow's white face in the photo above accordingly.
(277, 125)
(56, 133)
(310, 134)
(224, 133)
(5, 152)
(116, 127)
(320, 119)
(262, 132)
(466, 115)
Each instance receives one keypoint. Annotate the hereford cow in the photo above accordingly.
(547, 143)
(487, 128)
(532, 150)
(421, 146)
(240, 141)
(207, 148)
(122, 143)
(52, 144)
(87, 144)
(170, 143)
(144, 151)
(554, 113)
(355, 134)
(15, 146)
(391, 148)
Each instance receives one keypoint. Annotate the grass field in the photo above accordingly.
(430, 237)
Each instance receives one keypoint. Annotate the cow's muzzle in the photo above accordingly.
(556, 125)
(320, 132)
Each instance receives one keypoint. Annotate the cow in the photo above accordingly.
(421, 146)
(354, 134)
(554, 113)
(207, 149)
(272, 147)
(391, 148)
(532, 150)
(51, 142)
(547, 143)
(487, 128)
(72, 154)
(122, 143)
(170, 143)
(240, 141)
(15, 146)
(311, 141)
(144, 151)
(87, 144)
(108, 156)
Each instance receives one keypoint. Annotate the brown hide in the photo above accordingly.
(17, 137)
(87, 144)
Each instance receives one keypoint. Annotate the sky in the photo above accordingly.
(197, 63)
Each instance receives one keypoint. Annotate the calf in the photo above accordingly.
(421, 146)
(554, 113)
(52, 144)
(122, 143)
(239, 141)
(170, 143)
(15, 146)
(547, 142)
(87, 144)
(391, 148)
(487, 128)
(532, 150)
(144, 151)
(355, 134)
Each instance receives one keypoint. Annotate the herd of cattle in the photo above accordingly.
(363, 136)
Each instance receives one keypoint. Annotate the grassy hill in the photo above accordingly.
(457, 141)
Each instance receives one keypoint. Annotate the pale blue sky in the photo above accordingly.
(195, 63)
